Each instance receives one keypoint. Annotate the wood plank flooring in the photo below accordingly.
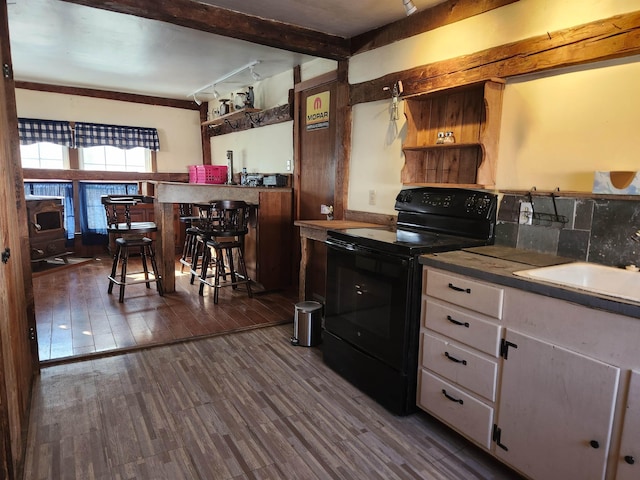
(246, 405)
(76, 317)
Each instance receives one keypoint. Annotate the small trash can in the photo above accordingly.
(307, 324)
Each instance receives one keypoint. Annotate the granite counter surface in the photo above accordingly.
(496, 264)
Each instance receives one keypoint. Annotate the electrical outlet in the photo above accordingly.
(526, 213)
(372, 197)
(288, 165)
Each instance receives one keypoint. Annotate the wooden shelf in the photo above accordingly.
(438, 146)
(473, 114)
(235, 115)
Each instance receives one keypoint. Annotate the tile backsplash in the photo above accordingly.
(588, 229)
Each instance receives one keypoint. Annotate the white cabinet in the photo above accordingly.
(459, 347)
(543, 384)
(629, 458)
(555, 411)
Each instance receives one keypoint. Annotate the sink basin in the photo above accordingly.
(592, 277)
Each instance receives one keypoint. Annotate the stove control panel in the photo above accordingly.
(447, 201)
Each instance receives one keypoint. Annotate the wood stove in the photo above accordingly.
(47, 236)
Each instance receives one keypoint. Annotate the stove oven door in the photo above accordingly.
(368, 301)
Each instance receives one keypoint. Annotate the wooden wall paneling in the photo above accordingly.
(19, 352)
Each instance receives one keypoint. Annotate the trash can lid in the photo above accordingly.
(308, 306)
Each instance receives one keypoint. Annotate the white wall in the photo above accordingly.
(556, 128)
(266, 149)
(178, 129)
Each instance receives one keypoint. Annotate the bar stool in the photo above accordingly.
(188, 217)
(226, 237)
(131, 235)
(201, 233)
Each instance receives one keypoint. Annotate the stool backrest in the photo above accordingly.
(118, 211)
(232, 217)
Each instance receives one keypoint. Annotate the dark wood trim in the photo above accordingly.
(228, 23)
(604, 39)
(423, 21)
(204, 135)
(263, 118)
(30, 174)
(343, 141)
(123, 97)
(316, 81)
(369, 217)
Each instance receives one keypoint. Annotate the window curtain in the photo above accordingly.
(57, 189)
(94, 135)
(93, 218)
(32, 131)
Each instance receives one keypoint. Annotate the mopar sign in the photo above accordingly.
(318, 111)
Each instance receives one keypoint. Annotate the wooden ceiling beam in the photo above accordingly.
(109, 95)
(605, 39)
(437, 16)
(227, 23)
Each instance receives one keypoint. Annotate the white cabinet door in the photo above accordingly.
(555, 411)
(629, 461)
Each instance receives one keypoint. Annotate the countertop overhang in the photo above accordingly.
(497, 264)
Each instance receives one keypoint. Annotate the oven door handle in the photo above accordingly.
(341, 245)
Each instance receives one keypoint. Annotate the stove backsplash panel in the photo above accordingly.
(587, 229)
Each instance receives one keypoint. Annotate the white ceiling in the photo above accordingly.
(61, 43)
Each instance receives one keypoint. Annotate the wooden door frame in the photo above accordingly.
(18, 345)
(343, 135)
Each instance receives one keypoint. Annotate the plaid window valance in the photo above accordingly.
(32, 130)
(95, 134)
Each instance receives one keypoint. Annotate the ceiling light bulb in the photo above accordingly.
(409, 7)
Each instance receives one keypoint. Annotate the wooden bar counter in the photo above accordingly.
(267, 245)
(311, 230)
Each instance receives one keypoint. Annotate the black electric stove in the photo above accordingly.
(374, 281)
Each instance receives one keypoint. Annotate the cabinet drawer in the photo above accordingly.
(465, 292)
(466, 327)
(461, 366)
(462, 412)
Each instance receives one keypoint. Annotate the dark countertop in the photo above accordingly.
(496, 264)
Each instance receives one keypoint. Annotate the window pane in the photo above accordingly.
(43, 155)
(114, 159)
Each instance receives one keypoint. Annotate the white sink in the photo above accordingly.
(592, 277)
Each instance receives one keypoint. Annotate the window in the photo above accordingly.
(106, 158)
(44, 155)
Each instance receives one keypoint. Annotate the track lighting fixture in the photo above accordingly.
(197, 100)
(409, 7)
(249, 66)
(254, 75)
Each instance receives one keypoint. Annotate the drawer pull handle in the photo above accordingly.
(458, 289)
(457, 322)
(454, 359)
(453, 399)
(629, 459)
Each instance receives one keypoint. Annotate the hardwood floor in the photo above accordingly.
(76, 317)
(246, 405)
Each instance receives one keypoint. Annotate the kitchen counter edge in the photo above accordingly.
(500, 271)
